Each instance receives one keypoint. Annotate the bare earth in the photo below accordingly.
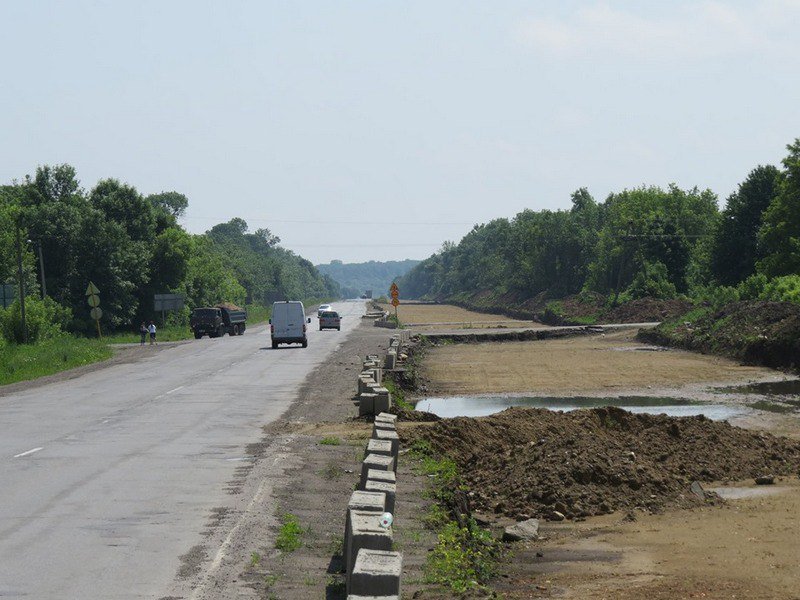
(427, 316)
(592, 364)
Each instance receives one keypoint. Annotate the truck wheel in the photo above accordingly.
(198, 335)
(274, 345)
(220, 331)
(235, 330)
(241, 329)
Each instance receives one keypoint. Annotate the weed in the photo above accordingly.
(330, 441)
(255, 558)
(398, 396)
(464, 557)
(331, 471)
(336, 546)
(335, 584)
(290, 533)
(308, 580)
(271, 580)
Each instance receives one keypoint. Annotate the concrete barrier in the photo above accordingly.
(373, 501)
(375, 461)
(364, 533)
(385, 487)
(376, 573)
(383, 448)
(366, 404)
(389, 435)
(381, 475)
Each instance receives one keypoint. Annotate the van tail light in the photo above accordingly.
(304, 327)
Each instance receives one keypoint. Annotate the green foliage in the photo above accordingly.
(290, 534)
(29, 361)
(398, 395)
(44, 320)
(464, 558)
(330, 440)
(734, 249)
(650, 281)
(779, 237)
(782, 289)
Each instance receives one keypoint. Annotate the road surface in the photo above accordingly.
(107, 479)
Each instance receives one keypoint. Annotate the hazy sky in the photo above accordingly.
(414, 118)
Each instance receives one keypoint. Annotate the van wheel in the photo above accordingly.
(305, 343)
(339, 328)
(320, 327)
(274, 345)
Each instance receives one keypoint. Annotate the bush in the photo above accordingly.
(651, 281)
(752, 288)
(44, 319)
(782, 289)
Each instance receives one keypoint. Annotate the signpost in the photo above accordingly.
(93, 299)
(394, 291)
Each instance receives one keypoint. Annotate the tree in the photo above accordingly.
(779, 237)
(124, 205)
(734, 250)
(172, 203)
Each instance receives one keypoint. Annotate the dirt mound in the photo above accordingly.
(765, 333)
(646, 310)
(530, 462)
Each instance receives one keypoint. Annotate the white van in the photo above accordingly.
(288, 323)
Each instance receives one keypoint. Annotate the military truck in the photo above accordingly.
(218, 320)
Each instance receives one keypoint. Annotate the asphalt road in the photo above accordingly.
(105, 480)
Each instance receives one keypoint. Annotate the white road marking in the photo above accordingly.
(180, 387)
(21, 454)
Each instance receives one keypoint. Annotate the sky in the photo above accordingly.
(376, 130)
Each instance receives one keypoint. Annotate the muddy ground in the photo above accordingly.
(736, 548)
(601, 364)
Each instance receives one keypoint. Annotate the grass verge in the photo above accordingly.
(29, 361)
(172, 333)
(465, 556)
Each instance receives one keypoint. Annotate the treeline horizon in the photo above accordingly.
(641, 242)
(131, 247)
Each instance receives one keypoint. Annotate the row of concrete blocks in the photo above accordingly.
(373, 398)
(373, 569)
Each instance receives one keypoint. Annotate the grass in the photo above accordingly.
(171, 333)
(290, 534)
(330, 440)
(398, 396)
(465, 557)
(29, 361)
(255, 558)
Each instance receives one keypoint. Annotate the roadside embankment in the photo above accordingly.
(526, 463)
(754, 332)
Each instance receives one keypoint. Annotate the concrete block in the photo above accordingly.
(359, 597)
(364, 533)
(383, 448)
(382, 426)
(373, 501)
(381, 475)
(385, 416)
(389, 489)
(382, 403)
(376, 572)
(366, 404)
(375, 461)
(390, 362)
(377, 374)
(391, 436)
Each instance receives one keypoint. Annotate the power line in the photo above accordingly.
(334, 222)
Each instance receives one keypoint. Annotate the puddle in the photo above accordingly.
(480, 406)
(787, 387)
(743, 493)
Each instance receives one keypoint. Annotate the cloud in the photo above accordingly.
(669, 30)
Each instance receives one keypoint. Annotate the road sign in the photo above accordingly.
(162, 302)
(395, 302)
(93, 300)
(8, 293)
(92, 290)
(97, 314)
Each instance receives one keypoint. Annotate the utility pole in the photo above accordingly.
(21, 282)
(41, 266)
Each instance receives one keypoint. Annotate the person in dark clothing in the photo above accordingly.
(143, 332)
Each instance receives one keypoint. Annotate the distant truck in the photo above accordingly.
(218, 320)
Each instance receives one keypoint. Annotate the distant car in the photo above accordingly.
(330, 319)
(322, 308)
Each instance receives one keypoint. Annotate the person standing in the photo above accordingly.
(142, 332)
(152, 330)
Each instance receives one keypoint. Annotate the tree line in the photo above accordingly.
(131, 247)
(643, 242)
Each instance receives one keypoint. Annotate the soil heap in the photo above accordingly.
(530, 462)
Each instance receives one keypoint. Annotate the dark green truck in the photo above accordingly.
(216, 321)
